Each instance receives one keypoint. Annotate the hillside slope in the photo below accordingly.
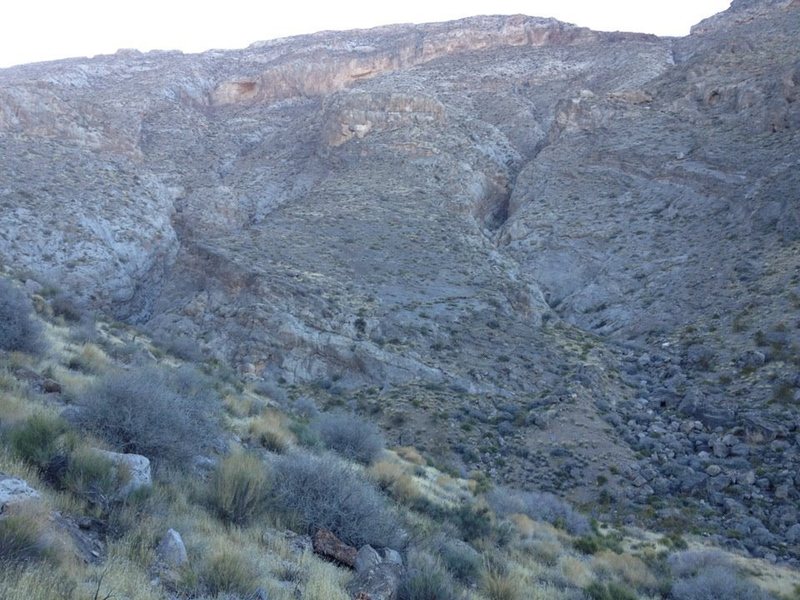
(549, 253)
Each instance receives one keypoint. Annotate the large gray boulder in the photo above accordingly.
(14, 491)
(378, 574)
(171, 551)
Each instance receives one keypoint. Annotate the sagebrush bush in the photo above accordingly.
(36, 440)
(715, 583)
(539, 506)
(19, 331)
(691, 562)
(239, 487)
(426, 579)
(350, 436)
(323, 492)
(167, 416)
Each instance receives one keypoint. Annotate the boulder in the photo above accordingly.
(367, 558)
(14, 490)
(326, 544)
(378, 574)
(171, 551)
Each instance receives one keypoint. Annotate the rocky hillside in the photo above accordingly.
(566, 258)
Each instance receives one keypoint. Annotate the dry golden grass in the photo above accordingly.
(90, 358)
(625, 567)
(268, 431)
(324, 581)
(394, 479)
(39, 582)
(497, 585)
(411, 454)
(578, 572)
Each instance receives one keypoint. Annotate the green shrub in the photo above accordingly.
(539, 506)
(426, 579)
(239, 488)
(349, 436)
(19, 331)
(321, 491)
(609, 591)
(21, 539)
(36, 440)
(93, 476)
(461, 559)
(168, 416)
(473, 521)
(229, 572)
(67, 307)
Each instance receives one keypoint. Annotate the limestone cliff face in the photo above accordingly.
(601, 228)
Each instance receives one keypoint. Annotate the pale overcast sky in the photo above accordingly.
(36, 30)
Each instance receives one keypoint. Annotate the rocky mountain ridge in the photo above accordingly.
(573, 250)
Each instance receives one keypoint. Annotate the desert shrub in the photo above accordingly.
(692, 562)
(272, 390)
(168, 416)
(350, 436)
(323, 492)
(539, 506)
(473, 521)
(625, 568)
(229, 572)
(426, 579)
(715, 583)
(44, 583)
(36, 440)
(305, 408)
(67, 307)
(497, 581)
(461, 559)
(266, 432)
(239, 488)
(178, 345)
(304, 435)
(609, 591)
(91, 359)
(91, 475)
(21, 538)
(19, 331)
(393, 479)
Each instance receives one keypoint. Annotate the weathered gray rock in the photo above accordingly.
(366, 558)
(171, 552)
(14, 491)
(380, 582)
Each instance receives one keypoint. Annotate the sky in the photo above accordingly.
(37, 30)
